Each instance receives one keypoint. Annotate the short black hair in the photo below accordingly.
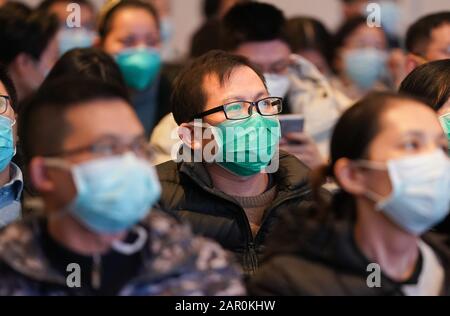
(6, 80)
(211, 8)
(429, 82)
(42, 123)
(25, 31)
(252, 22)
(108, 11)
(90, 63)
(418, 35)
(188, 97)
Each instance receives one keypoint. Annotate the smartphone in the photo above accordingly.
(291, 123)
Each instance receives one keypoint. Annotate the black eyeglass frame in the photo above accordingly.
(250, 109)
(7, 102)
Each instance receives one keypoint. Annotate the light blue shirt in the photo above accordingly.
(10, 193)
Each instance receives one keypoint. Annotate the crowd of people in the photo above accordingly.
(278, 158)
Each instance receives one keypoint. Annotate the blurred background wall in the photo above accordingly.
(186, 14)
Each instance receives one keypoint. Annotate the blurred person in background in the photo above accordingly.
(361, 59)
(311, 39)
(428, 39)
(88, 63)
(90, 161)
(258, 31)
(73, 36)
(207, 37)
(389, 157)
(129, 31)
(11, 179)
(29, 45)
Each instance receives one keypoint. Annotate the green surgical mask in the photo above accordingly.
(445, 122)
(246, 147)
(139, 66)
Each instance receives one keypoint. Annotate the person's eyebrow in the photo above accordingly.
(241, 98)
(413, 133)
(421, 134)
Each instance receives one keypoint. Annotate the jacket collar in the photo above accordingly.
(292, 175)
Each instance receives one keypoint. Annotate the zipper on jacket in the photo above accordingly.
(253, 258)
(227, 198)
(250, 257)
(96, 273)
(274, 206)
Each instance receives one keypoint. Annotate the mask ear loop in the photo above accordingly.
(64, 165)
(130, 249)
(373, 196)
(213, 133)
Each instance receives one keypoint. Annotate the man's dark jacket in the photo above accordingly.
(188, 191)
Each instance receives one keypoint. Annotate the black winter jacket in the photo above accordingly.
(187, 190)
(321, 259)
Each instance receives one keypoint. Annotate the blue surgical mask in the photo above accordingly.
(365, 66)
(420, 196)
(113, 194)
(79, 37)
(139, 66)
(7, 148)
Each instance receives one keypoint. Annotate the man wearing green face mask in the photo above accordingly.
(230, 181)
(129, 31)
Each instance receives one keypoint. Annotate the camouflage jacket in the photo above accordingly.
(174, 263)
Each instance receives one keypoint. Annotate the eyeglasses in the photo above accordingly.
(111, 146)
(240, 110)
(4, 103)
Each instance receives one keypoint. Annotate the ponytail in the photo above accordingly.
(342, 204)
(318, 178)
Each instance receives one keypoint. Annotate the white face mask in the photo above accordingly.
(278, 85)
(420, 196)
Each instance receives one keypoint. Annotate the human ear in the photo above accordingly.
(39, 176)
(186, 132)
(349, 177)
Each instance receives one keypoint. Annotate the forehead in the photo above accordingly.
(133, 19)
(403, 116)
(3, 89)
(242, 82)
(102, 117)
(367, 34)
(441, 33)
(264, 52)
